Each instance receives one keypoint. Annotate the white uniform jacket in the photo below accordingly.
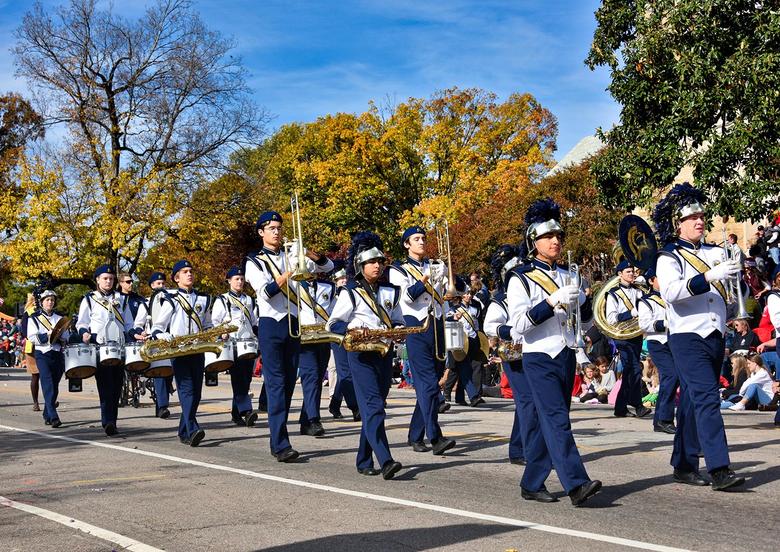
(466, 321)
(317, 301)
(620, 301)
(262, 269)
(106, 316)
(416, 297)
(39, 327)
(356, 307)
(180, 312)
(693, 304)
(238, 310)
(544, 329)
(773, 306)
(497, 318)
(652, 317)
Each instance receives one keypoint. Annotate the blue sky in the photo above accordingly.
(307, 58)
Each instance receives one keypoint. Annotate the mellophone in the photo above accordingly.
(83, 359)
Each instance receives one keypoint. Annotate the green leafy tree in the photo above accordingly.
(698, 82)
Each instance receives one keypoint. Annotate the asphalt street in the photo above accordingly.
(75, 489)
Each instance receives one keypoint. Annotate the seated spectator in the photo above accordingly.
(740, 373)
(651, 381)
(608, 379)
(744, 338)
(758, 387)
(593, 391)
(585, 381)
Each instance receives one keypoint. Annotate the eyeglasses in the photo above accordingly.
(273, 228)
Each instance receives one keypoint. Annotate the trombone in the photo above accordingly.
(437, 278)
(734, 285)
(574, 320)
(301, 272)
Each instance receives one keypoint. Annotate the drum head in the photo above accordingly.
(158, 372)
(59, 327)
(80, 372)
(137, 366)
(219, 366)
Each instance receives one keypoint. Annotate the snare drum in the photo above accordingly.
(133, 360)
(222, 361)
(80, 360)
(455, 339)
(110, 354)
(159, 369)
(246, 348)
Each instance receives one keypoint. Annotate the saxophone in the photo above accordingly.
(206, 341)
(377, 341)
(316, 333)
(509, 351)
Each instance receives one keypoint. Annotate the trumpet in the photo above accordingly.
(574, 320)
(734, 285)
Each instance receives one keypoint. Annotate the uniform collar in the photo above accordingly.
(415, 262)
(234, 294)
(270, 251)
(103, 294)
(538, 263)
(626, 286)
(688, 244)
(182, 290)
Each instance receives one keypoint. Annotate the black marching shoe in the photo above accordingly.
(55, 422)
(724, 478)
(690, 478)
(313, 429)
(184, 440)
(356, 415)
(665, 427)
(287, 455)
(418, 446)
(391, 468)
(476, 402)
(442, 445)
(369, 471)
(250, 418)
(584, 492)
(444, 407)
(197, 437)
(542, 495)
(643, 411)
(335, 412)
(517, 461)
(164, 413)
(47, 422)
(111, 429)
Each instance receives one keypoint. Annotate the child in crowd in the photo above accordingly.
(650, 379)
(757, 387)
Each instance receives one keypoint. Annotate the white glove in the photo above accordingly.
(564, 295)
(722, 271)
(634, 313)
(164, 336)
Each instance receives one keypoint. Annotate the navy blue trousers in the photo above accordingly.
(630, 393)
(240, 380)
(280, 369)
(188, 373)
(514, 373)
(549, 441)
(345, 389)
(371, 373)
(51, 367)
(312, 365)
(699, 421)
(427, 371)
(109, 381)
(162, 391)
(668, 380)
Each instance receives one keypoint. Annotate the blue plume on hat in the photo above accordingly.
(361, 241)
(502, 256)
(665, 213)
(542, 210)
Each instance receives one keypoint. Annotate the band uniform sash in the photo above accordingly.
(657, 299)
(701, 267)
(626, 301)
(242, 306)
(275, 272)
(470, 319)
(542, 280)
(307, 298)
(190, 313)
(417, 275)
(44, 321)
(375, 308)
(103, 303)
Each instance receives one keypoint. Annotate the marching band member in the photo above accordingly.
(142, 327)
(104, 316)
(652, 319)
(690, 274)
(237, 308)
(468, 370)
(269, 271)
(181, 312)
(344, 388)
(497, 325)
(48, 355)
(536, 291)
(365, 304)
(621, 306)
(317, 300)
(420, 300)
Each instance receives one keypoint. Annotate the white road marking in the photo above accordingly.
(369, 496)
(104, 534)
